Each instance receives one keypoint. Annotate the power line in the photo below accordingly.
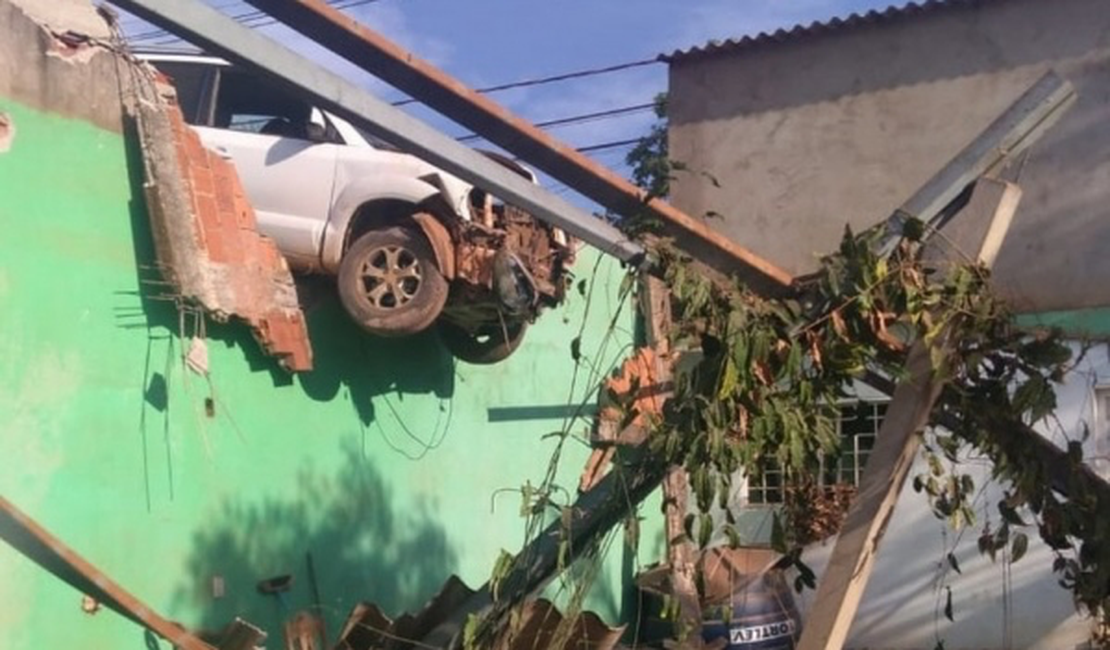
(252, 19)
(579, 119)
(257, 18)
(609, 145)
(566, 76)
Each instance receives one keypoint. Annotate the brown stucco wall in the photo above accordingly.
(810, 133)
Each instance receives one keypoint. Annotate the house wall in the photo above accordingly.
(806, 135)
(792, 140)
(390, 463)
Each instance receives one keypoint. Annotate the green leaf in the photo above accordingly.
(734, 539)
(953, 563)
(705, 532)
(913, 229)
(948, 604)
(1009, 514)
(986, 544)
(501, 569)
(805, 574)
(576, 349)
(1018, 547)
(967, 484)
(471, 630)
(730, 379)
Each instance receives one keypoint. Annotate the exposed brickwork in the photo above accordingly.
(250, 277)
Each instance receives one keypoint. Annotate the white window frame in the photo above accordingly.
(756, 493)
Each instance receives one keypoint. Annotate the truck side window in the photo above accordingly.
(189, 83)
(247, 103)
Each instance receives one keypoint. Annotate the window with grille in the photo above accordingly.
(858, 426)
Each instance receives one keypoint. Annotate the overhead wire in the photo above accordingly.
(565, 76)
(257, 18)
(609, 145)
(252, 19)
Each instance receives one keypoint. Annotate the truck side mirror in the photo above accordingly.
(315, 132)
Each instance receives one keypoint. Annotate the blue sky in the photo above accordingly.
(488, 42)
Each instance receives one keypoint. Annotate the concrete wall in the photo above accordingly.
(47, 73)
(807, 135)
(389, 463)
(815, 132)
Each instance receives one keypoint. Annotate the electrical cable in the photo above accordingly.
(566, 76)
(578, 119)
(259, 19)
(252, 19)
(609, 145)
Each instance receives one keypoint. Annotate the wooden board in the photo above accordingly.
(977, 230)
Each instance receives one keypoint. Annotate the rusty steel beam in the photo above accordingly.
(376, 54)
(35, 542)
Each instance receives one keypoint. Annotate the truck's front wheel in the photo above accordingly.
(389, 282)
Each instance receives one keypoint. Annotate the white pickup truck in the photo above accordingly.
(409, 244)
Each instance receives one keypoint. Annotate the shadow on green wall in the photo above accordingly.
(343, 354)
(362, 547)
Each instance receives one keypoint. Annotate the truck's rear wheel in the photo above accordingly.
(487, 344)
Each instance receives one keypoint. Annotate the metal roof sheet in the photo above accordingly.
(892, 14)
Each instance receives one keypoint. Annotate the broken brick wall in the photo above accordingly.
(206, 234)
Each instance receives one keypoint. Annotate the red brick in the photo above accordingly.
(226, 229)
(202, 181)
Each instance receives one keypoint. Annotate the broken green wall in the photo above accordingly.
(390, 463)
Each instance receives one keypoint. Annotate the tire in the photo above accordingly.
(489, 344)
(390, 284)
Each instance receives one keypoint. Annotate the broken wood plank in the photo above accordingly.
(982, 224)
(841, 587)
(36, 543)
(945, 248)
(1009, 135)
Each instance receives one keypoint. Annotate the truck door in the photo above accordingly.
(285, 156)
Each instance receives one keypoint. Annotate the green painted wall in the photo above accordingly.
(383, 463)
(1081, 323)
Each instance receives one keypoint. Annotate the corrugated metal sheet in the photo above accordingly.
(892, 14)
(540, 625)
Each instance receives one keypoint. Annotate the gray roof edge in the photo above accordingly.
(836, 25)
